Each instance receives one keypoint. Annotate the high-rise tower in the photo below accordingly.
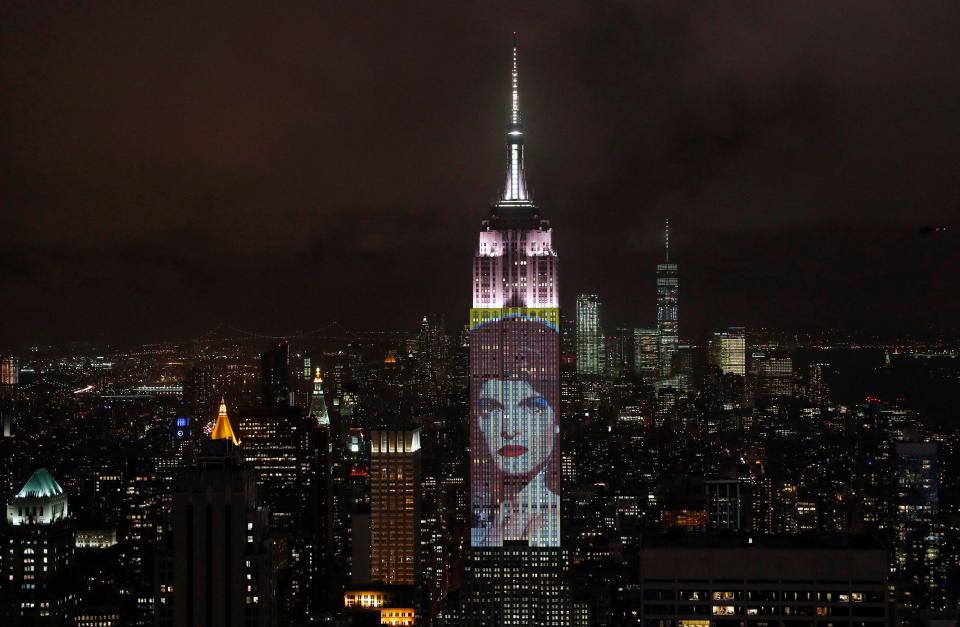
(590, 338)
(219, 567)
(515, 568)
(38, 568)
(318, 407)
(667, 296)
(394, 506)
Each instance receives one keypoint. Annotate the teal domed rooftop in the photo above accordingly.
(40, 485)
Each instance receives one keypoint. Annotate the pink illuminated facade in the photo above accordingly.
(514, 366)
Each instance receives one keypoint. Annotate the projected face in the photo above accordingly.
(518, 425)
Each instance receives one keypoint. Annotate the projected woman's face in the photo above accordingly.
(518, 425)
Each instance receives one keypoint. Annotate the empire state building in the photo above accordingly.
(516, 570)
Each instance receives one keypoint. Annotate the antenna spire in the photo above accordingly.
(515, 87)
(666, 239)
(515, 189)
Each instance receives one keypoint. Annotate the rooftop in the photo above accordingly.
(41, 484)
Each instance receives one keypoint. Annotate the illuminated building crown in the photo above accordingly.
(223, 430)
(318, 406)
(515, 192)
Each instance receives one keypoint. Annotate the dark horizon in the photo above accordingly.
(285, 170)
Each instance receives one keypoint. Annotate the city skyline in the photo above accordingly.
(684, 440)
(195, 190)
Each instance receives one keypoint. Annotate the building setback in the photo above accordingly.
(516, 571)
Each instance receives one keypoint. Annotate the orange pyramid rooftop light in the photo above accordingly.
(223, 430)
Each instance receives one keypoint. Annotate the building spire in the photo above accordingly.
(514, 88)
(666, 239)
(318, 407)
(223, 430)
(515, 190)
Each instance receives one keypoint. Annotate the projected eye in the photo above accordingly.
(488, 405)
(535, 402)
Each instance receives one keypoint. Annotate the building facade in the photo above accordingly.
(590, 340)
(668, 296)
(395, 498)
(737, 580)
(514, 516)
(646, 356)
(38, 556)
(220, 566)
(728, 351)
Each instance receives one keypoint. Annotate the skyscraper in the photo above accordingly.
(590, 340)
(219, 571)
(395, 495)
(515, 408)
(668, 293)
(9, 378)
(9, 371)
(38, 551)
(646, 356)
(275, 375)
(728, 351)
(920, 551)
(289, 453)
(318, 406)
(774, 374)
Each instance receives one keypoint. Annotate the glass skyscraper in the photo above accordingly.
(668, 293)
(590, 340)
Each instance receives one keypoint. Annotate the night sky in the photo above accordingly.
(165, 168)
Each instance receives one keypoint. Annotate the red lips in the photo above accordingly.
(512, 450)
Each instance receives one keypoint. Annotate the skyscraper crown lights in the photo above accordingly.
(41, 484)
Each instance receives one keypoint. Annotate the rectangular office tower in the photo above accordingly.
(739, 580)
(515, 409)
(394, 506)
(590, 338)
(728, 351)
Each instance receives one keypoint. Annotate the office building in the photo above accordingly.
(275, 375)
(773, 373)
(727, 351)
(318, 406)
(395, 504)
(725, 504)
(732, 580)
(9, 371)
(646, 362)
(668, 295)
(289, 454)
(591, 356)
(523, 586)
(38, 555)
(219, 568)
(920, 556)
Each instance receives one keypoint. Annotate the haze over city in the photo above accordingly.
(221, 159)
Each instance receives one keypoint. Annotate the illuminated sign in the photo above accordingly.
(183, 422)
(514, 428)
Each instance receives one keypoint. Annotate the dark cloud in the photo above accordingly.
(165, 167)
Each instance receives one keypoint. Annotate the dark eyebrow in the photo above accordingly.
(533, 400)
